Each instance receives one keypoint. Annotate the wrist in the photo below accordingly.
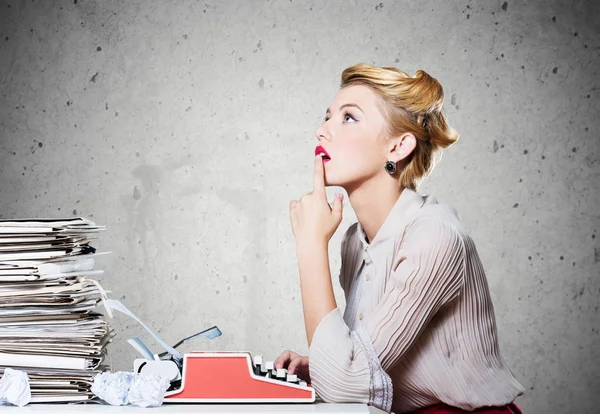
(311, 245)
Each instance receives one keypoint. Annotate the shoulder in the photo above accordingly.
(432, 213)
(435, 226)
(435, 210)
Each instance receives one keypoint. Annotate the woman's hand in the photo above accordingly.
(313, 219)
(294, 363)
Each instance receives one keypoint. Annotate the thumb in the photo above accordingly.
(338, 206)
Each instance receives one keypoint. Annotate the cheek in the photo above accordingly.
(361, 153)
(356, 146)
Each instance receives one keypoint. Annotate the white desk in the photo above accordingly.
(197, 408)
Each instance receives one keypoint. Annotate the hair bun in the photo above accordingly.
(428, 93)
(430, 103)
(441, 135)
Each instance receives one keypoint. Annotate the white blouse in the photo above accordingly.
(419, 326)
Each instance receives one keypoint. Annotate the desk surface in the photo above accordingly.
(198, 408)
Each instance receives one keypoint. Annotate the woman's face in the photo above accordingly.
(352, 135)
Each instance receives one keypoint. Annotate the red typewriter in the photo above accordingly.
(234, 377)
(217, 377)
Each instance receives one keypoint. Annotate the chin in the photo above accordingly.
(330, 180)
(346, 182)
(333, 181)
(347, 178)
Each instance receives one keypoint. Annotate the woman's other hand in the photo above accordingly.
(294, 363)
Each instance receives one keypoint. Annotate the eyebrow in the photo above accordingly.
(343, 106)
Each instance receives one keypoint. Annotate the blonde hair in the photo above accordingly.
(408, 104)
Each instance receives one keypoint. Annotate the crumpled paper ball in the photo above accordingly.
(113, 387)
(14, 387)
(148, 390)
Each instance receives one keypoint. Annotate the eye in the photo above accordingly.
(347, 114)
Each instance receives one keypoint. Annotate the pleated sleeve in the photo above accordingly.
(351, 365)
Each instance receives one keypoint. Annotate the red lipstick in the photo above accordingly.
(320, 150)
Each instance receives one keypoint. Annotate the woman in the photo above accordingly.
(418, 333)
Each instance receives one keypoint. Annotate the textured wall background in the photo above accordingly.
(186, 128)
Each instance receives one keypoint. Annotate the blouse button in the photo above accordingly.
(360, 316)
(368, 276)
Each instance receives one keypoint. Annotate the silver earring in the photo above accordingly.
(390, 167)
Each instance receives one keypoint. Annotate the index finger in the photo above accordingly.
(319, 176)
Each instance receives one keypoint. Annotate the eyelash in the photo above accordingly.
(345, 115)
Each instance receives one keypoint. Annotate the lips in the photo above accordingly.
(321, 151)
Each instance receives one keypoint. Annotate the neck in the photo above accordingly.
(372, 203)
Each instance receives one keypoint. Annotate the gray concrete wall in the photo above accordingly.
(186, 128)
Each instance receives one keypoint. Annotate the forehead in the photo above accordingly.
(361, 95)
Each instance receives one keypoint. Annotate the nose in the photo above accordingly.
(322, 133)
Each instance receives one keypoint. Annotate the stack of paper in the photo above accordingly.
(48, 326)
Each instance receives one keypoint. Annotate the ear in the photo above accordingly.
(401, 147)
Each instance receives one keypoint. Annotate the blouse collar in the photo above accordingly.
(407, 204)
